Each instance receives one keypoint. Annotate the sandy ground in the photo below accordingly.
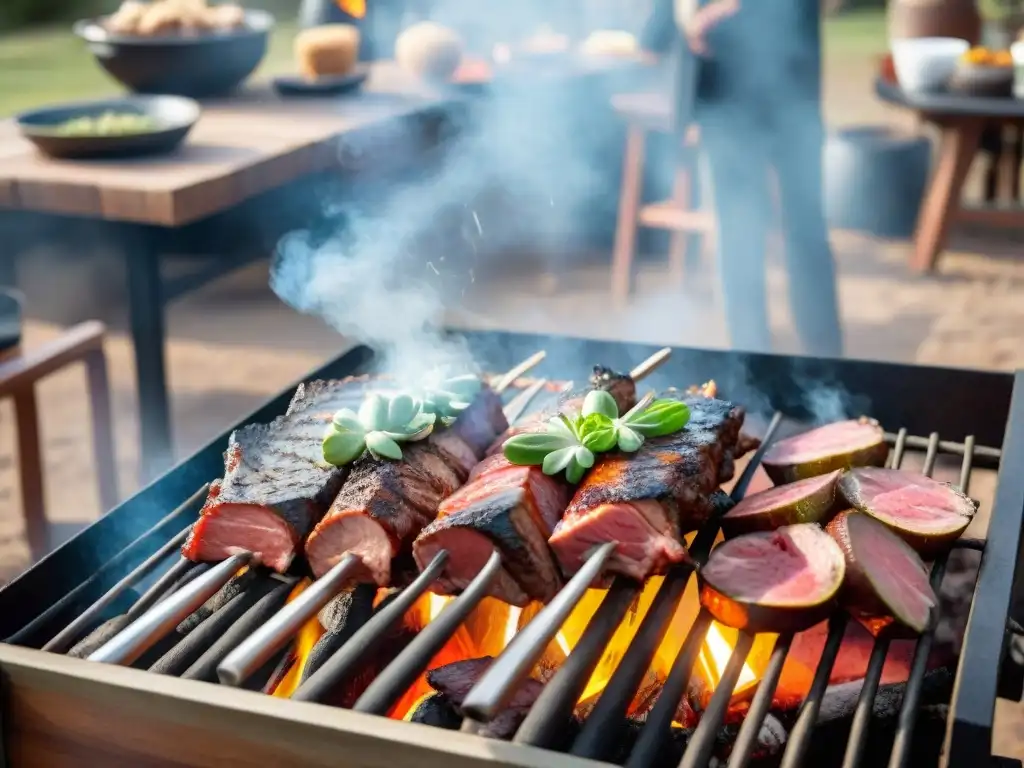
(233, 344)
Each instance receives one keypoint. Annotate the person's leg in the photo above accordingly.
(738, 162)
(799, 142)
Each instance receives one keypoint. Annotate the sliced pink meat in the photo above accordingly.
(927, 514)
(844, 444)
(885, 578)
(805, 501)
(783, 580)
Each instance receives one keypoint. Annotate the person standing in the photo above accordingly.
(757, 100)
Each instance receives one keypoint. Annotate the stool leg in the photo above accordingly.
(30, 465)
(679, 239)
(102, 426)
(629, 208)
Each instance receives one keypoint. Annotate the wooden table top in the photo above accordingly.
(242, 146)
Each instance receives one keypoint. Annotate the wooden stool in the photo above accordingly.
(20, 369)
(645, 113)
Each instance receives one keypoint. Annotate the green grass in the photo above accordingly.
(48, 65)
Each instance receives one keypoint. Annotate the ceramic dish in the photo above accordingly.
(172, 117)
(294, 85)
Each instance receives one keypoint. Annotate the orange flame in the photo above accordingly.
(354, 8)
(308, 636)
(491, 626)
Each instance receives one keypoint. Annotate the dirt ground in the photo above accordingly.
(233, 344)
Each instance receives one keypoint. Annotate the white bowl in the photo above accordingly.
(925, 64)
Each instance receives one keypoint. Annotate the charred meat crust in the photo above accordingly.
(684, 467)
(403, 497)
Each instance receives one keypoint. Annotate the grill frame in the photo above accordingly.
(881, 389)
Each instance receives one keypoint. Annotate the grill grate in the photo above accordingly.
(602, 729)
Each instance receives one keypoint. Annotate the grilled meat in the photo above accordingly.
(275, 487)
(647, 500)
(619, 385)
(506, 506)
(385, 504)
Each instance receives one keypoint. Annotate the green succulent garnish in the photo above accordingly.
(570, 443)
(380, 425)
(451, 397)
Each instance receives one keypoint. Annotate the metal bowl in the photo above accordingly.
(202, 65)
(173, 115)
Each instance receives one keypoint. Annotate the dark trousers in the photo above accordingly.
(743, 141)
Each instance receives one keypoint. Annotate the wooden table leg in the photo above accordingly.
(957, 148)
(629, 208)
(30, 470)
(146, 310)
(102, 429)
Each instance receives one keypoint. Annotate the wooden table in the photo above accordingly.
(961, 121)
(241, 147)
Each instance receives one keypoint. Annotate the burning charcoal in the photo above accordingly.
(98, 637)
(238, 584)
(455, 681)
(205, 667)
(438, 711)
(340, 618)
(195, 643)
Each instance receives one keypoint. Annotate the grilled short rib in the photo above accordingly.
(619, 385)
(646, 501)
(385, 504)
(276, 485)
(513, 509)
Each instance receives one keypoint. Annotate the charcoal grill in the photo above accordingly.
(63, 711)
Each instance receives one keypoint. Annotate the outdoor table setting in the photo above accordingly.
(969, 95)
(196, 136)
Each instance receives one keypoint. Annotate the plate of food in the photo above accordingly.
(983, 72)
(327, 58)
(126, 127)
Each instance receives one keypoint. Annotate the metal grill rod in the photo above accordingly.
(365, 639)
(800, 736)
(657, 729)
(497, 684)
(77, 628)
(389, 686)
(139, 636)
(602, 726)
(257, 649)
(918, 666)
(27, 632)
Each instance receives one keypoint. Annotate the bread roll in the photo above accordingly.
(429, 50)
(332, 49)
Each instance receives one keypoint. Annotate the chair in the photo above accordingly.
(647, 113)
(20, 370)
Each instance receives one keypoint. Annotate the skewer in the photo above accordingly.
(255, 650)
(509, 378)
(282, 627)
(397, 677)
(125, 647)
(67, 636)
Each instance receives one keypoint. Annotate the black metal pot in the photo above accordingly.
(875, 180)
(200, 66)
